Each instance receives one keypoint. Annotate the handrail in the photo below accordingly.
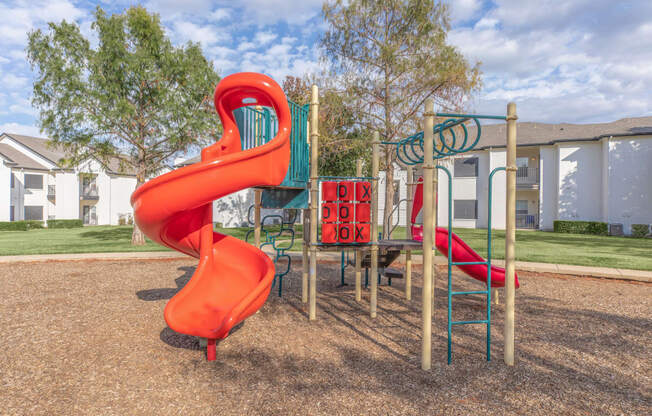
(389, 219)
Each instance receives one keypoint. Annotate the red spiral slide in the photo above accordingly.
(233, 278)
(460, 251)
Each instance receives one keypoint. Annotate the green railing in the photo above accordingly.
(447, 143)
(259, 126)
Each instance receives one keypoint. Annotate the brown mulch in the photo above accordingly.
(89, 338)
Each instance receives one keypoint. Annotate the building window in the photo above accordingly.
(465, 209)
(521, 207)
(33, 181)
(11, 213)
(521, 162)
(466, 168)
(33, 212)
(13, 180)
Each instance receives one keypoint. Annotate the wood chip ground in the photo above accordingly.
(88, 338)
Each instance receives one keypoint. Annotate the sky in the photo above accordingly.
(575, 61)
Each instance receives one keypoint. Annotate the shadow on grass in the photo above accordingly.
(114, 233)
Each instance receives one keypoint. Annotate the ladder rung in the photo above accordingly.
(471, 292)
(465, 263)
(484, 321)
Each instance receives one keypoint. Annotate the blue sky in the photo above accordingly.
(559, 60)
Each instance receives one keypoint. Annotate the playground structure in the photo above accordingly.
(422, 149)
(269, 151)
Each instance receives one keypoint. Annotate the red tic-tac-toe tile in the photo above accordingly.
(329, 212)
(329, 191)
(362, 233)
(345, 211)
(346, 233)
(329, 233)
(363, 191)
(363, 212)
(345, 191)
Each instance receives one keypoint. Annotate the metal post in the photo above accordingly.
(510, 233)
(358, 253)
(428, 232)
(314, 198)
(435, 197)
(258, 195)
(304, 264)
(374, 223)
(408, 232)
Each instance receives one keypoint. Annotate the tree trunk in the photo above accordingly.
(137, 236)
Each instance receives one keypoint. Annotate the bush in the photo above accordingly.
(640, 230)
(33, 224)
(20, 225)
(581, 227)
(65, 223)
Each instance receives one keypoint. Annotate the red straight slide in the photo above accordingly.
(460, 251)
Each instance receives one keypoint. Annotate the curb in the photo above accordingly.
(565, 269)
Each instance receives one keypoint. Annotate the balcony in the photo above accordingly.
(527, 177)
(52, 191)
(89, 193)
(527, 221)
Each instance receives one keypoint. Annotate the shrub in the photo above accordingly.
(20, 225)
(33, 224)
(640, 230)
(65, 223)
(581, 227)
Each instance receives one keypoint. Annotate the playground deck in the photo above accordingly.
(89, 338)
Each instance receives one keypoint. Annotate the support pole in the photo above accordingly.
(408, 232)
(358, 253)
(435, 197)
(510, 233)
(314, 198)
(428, 232)
(258, 195)
(375, 161)
(304, 264)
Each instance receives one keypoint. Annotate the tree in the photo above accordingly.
(392, 55)
(134, 98)
(341, 139)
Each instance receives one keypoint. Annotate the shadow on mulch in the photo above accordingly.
(167, 292)
(188, 342)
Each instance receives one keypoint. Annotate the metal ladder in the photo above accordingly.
(487, 292)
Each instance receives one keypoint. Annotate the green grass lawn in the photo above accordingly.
(544, 247)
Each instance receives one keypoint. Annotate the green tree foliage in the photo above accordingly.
(392, 55)
(341, 140)
(134, 97)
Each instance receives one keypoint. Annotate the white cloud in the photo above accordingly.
(263, 38)
(170, 8)
(462, 10)
(17, 128)
(245, 46)
(265, 12)
(205, 35)
(13, 81)
(574, 61)
(220, 14)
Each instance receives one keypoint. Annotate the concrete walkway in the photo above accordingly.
(604, 272)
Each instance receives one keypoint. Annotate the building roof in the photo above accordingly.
(529, 133)
(19, 159)
(53, 154)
